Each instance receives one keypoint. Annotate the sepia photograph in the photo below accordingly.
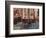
(25, 18)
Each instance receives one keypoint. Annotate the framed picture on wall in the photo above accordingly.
(24, 18)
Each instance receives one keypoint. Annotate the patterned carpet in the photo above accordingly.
(22, 25)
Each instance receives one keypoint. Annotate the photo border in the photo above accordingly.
(7, 17)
